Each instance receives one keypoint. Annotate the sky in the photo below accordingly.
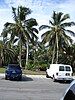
(41, 10)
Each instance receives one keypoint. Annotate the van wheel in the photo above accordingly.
(54, 79)
(47, 75)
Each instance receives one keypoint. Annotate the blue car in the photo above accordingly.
(13, 71)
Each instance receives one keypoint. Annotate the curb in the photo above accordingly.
(33, 76)
(36, 76)
(2, 74)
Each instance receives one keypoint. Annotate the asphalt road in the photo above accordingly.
(31, 88)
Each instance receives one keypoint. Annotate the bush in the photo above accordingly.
(43, 67)
(30, 65)
(36, 65)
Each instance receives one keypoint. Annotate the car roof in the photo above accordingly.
(13, 65)
(60, 64)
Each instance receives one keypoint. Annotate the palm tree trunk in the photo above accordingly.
(27, 55)
(0, 61)
(53, 54)
(20, 45)
(57, 48)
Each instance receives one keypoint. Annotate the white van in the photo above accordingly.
(59, 72)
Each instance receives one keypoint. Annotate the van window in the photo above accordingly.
(67, 68)
(61, 68)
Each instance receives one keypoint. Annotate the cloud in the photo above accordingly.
(41, 9)
(5, 16)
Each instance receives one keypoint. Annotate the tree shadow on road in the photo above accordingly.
(25, 78)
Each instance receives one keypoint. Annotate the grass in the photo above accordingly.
(2, 70)
(34, 72)
(29, 72)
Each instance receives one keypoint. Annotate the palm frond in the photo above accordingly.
(66, 16)
(7, 24)
(54, 17)
(50, 22)
(71, 32)
(59, 15)
(35, 30)
(15, 40)
(14, 14)
(66, 38)
(44, 34)
(68, 24)
(31, 22)
(44, 27)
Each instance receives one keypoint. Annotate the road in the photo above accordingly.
(31, 88)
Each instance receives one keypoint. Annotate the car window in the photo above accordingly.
(14, 67)
(67, 68)
(70, 95)
(61, 68)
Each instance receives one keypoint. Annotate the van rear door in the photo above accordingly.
(68, 70)
(61, 71)
(65, 72)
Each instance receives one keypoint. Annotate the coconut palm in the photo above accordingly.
(22, 28)
(6, 53)
(56, 31)
(1, 52)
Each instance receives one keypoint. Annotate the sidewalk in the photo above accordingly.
(33, 76)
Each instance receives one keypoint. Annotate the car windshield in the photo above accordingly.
(67, 68)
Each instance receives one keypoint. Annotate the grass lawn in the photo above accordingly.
(29, 72)
(2, 70)
(34, 72)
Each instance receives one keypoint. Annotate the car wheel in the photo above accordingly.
(6, 77)
(20, 79)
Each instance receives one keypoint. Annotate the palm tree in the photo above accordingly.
(1, 52)
(56, 31)
(30, 23)
(7, 54)
(21, 28)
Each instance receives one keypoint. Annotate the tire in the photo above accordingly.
(6, 78)
(54, 79)
(47, 75)
(20, 78)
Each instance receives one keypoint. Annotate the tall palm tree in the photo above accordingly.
(30, 23)
(21, 28)
(56, 30)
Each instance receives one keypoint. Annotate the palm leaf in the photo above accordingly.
(15, 40)
(69, 24)
(44, 27)
(71, 32)
(59, 16)
(66, 16)
(35, 30)
(31, 22)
